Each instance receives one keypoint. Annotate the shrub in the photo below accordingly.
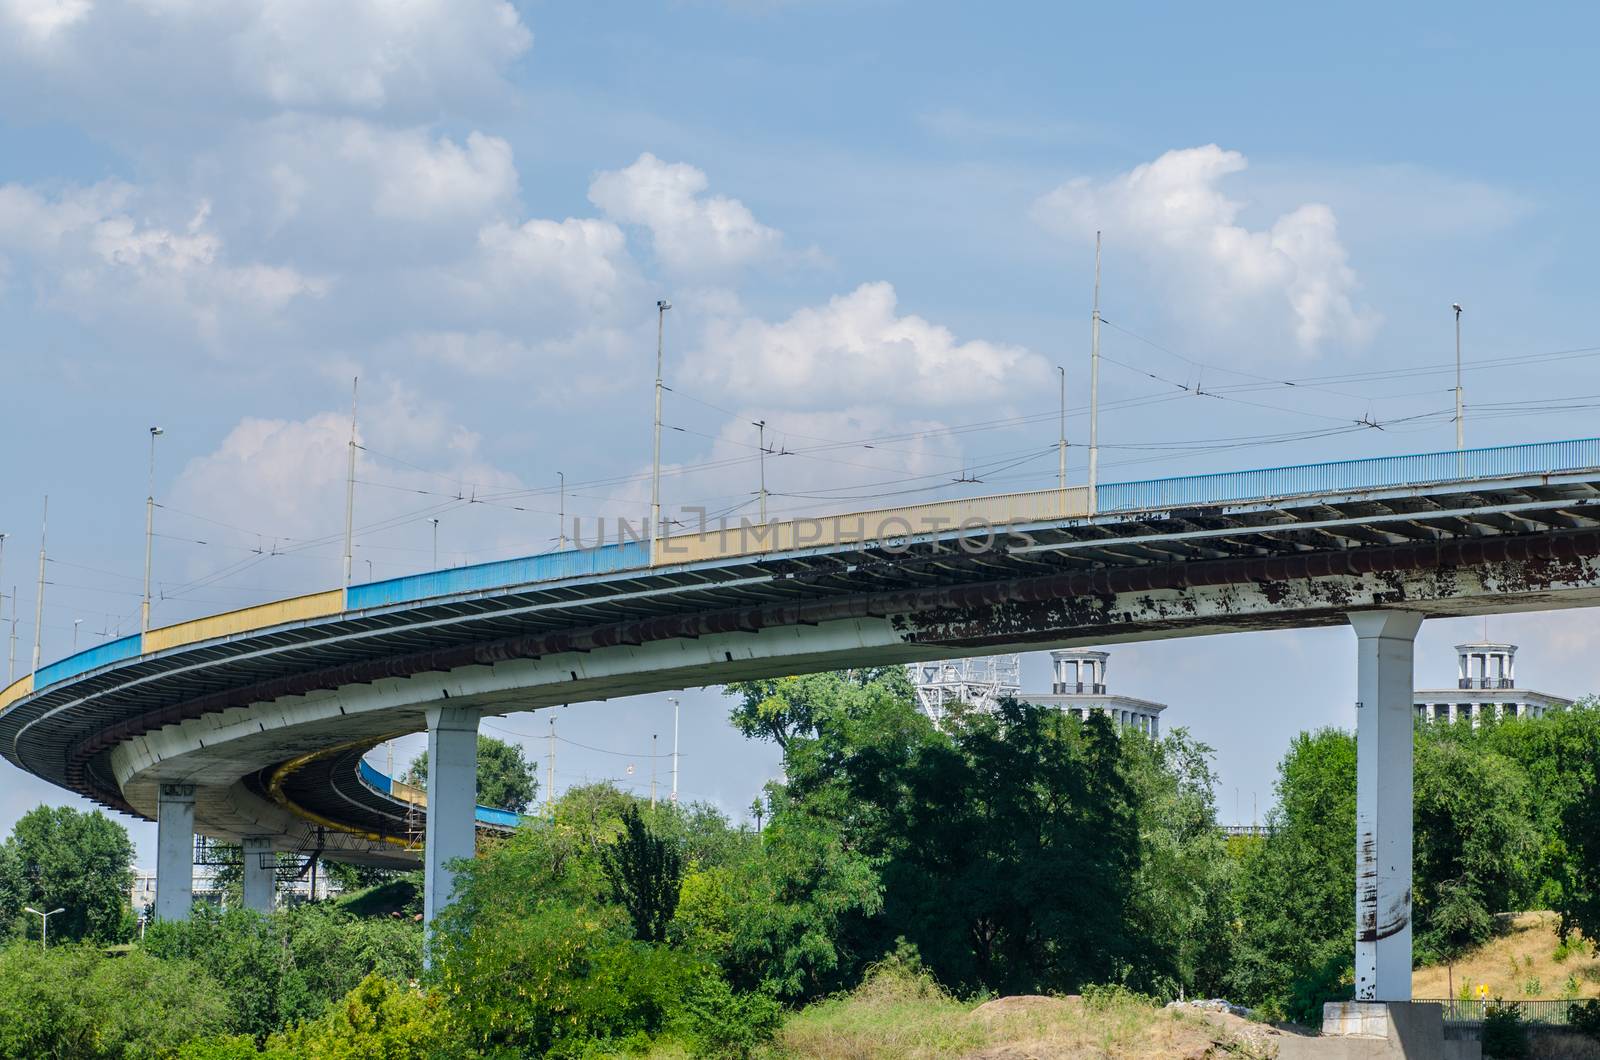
(720, 1023)
(1505, 1034)
(73, 1001)
(1585, 1018)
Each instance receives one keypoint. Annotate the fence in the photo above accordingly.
(1469, 1014)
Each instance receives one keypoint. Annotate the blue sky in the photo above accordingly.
(876, 223)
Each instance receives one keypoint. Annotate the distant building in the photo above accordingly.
(1079, 688)
(1486, 686)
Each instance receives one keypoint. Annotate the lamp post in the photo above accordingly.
(44, 921)
(75, 624)
(149, 531)
(435, 543)
(1460, 426)
(674, 701)
(655, 463)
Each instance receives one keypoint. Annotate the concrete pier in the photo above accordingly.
(260, 874)
(452, 801)
(1385, 643)
(174, 851)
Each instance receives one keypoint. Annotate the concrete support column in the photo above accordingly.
(452, 802)
(174, 851)
(1385, 643)
(260, 874)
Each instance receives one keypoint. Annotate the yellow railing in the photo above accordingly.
(976, 514)
(16, 690)
(294, 609)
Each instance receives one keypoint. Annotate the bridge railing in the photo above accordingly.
(1383, 472)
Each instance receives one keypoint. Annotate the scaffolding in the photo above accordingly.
(979, 682)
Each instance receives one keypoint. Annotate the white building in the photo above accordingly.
(1079, 687)
(1486, 685)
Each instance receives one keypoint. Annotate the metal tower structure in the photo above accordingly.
(979, 682)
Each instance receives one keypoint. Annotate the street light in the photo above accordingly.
(44, 921)
(674, 701)
(1460, 433)
(149, 530)
(75, 624)
(435, 544)
(655, 463)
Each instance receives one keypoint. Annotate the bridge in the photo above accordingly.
(249, 726)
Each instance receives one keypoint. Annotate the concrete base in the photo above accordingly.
(175, 852)
(1379, 1030)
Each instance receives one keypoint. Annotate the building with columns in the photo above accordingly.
(1486, 686)
(1079, 688)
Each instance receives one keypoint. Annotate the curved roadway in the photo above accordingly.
(267, 711)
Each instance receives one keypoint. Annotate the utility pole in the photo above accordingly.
(38, 603)
(435, 521)
(75, 624)
(652, 771)
(1061, 442)
(550, 774)
(350, 484)
(1094, 388)
(674, 701)
(761, 457)
(655, 463)
(1460, 425)
(11, 660)
(561, 513)
(149, 530)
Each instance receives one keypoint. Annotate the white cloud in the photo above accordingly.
(691, 232)
(858, 344)
(42, 20)
(1290, 279)
(285, 480)
(361, 56)
(91, 255)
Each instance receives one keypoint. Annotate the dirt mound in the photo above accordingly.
(1016, 1003)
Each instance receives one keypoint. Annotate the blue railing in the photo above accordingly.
(1346, 475)
(88, 659)
(485, 815)
(552, 566)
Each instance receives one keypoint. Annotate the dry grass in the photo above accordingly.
(907, 1017)
(1563, 1047)
(1525, 962)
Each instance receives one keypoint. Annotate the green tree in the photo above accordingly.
(1183, 889)
(645, 872)
(1476, 849)
(79, 862)
(506, 779)
(1296, 893)
(379, 1020)
(279, 968)
(74, 1003)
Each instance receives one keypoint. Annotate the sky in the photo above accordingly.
(875, 222)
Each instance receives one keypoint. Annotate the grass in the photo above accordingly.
(1529, 960)
(901, 1014)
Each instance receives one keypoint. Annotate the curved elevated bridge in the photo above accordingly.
(249, 726)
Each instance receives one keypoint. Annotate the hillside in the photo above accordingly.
(1527, 961)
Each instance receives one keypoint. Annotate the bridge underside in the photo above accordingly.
(231, 754)
(255, 735)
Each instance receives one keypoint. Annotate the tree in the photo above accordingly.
(506, 779)
(79, 862)
(645, 872)
(74, 1002)
(1296, 893)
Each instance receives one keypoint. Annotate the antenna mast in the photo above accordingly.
(38, 603)
(1094, 388)
(350, 484)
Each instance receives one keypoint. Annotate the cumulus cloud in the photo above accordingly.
(278, 485)
(691, 231)
(90, 254)
(1291, 278)
(364, 56)
(859, 344)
